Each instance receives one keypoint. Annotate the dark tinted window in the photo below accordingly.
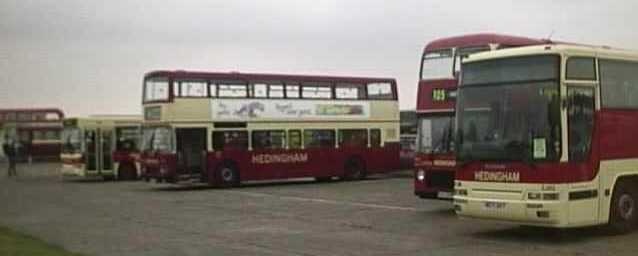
(619, 83)
(269, 139)
(580, 68)
(319, 138)
(353, 138)
(375, 138)
(517, 69)
(294, 139)
(230, 140)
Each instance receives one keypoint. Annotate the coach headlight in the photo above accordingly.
(420, 175)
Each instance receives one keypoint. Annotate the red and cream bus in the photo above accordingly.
(545, 137)
(105, 146)
(36, 130)
(226, 128)
(440, 63)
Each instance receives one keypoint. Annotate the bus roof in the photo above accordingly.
(33, 110)
(582, 50)
(481, 39)
(265, 77)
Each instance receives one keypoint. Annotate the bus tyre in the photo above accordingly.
(126, 172)
(354, 170)
(624, 208)
(227, 176)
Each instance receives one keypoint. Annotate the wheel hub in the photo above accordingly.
(227, 174)
(626, 206)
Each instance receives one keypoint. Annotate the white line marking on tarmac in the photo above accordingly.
(327, 201)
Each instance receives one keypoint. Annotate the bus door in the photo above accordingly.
(98, 150)
(90, 140)
(191, 144)
(580, 125)
(105, 150)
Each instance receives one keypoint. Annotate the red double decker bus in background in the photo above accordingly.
(434, 161)
(36, 130)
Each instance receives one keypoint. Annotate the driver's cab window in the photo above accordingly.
(580, 118)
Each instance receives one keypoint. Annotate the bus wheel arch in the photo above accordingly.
(227, 174)
(623, 209)
(354, 168)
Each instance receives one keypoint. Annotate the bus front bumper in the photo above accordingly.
(510, 205)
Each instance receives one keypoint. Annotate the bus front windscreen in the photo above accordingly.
(157, 139)
(509, 110)
(436, 134)
(438, 65)
(156, 89)
(71, 140)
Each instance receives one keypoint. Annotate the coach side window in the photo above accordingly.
(349, 91)
(581, 68)
(192, 88)
(275, 91)
(232, 90)
(292, 91)
(223, 140)
(319, 138)
(580, 118)
(619, 84)
(268, 139)
(380, 91)
(260, 90)
(353, 138)
(375, 138)
(316, 91)
(294, 139)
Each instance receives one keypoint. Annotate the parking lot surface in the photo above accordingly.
(378, 216)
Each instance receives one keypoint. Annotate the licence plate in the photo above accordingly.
(444, 195)
(494, 205)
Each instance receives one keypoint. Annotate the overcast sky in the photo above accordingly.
(88, 57)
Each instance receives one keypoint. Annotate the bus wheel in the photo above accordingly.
(354, 170)
(227, 176)
(624, 208)
(127, 172)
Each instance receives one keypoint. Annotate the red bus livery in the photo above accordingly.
(36, 130)
(435, 161)
(225, 128)
(545, 137)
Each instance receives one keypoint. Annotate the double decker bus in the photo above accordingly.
(545, 137)
(226, 128)
(105, 146)
(37, 131)
(434, 161)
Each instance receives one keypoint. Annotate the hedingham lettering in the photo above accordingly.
(279, 158)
